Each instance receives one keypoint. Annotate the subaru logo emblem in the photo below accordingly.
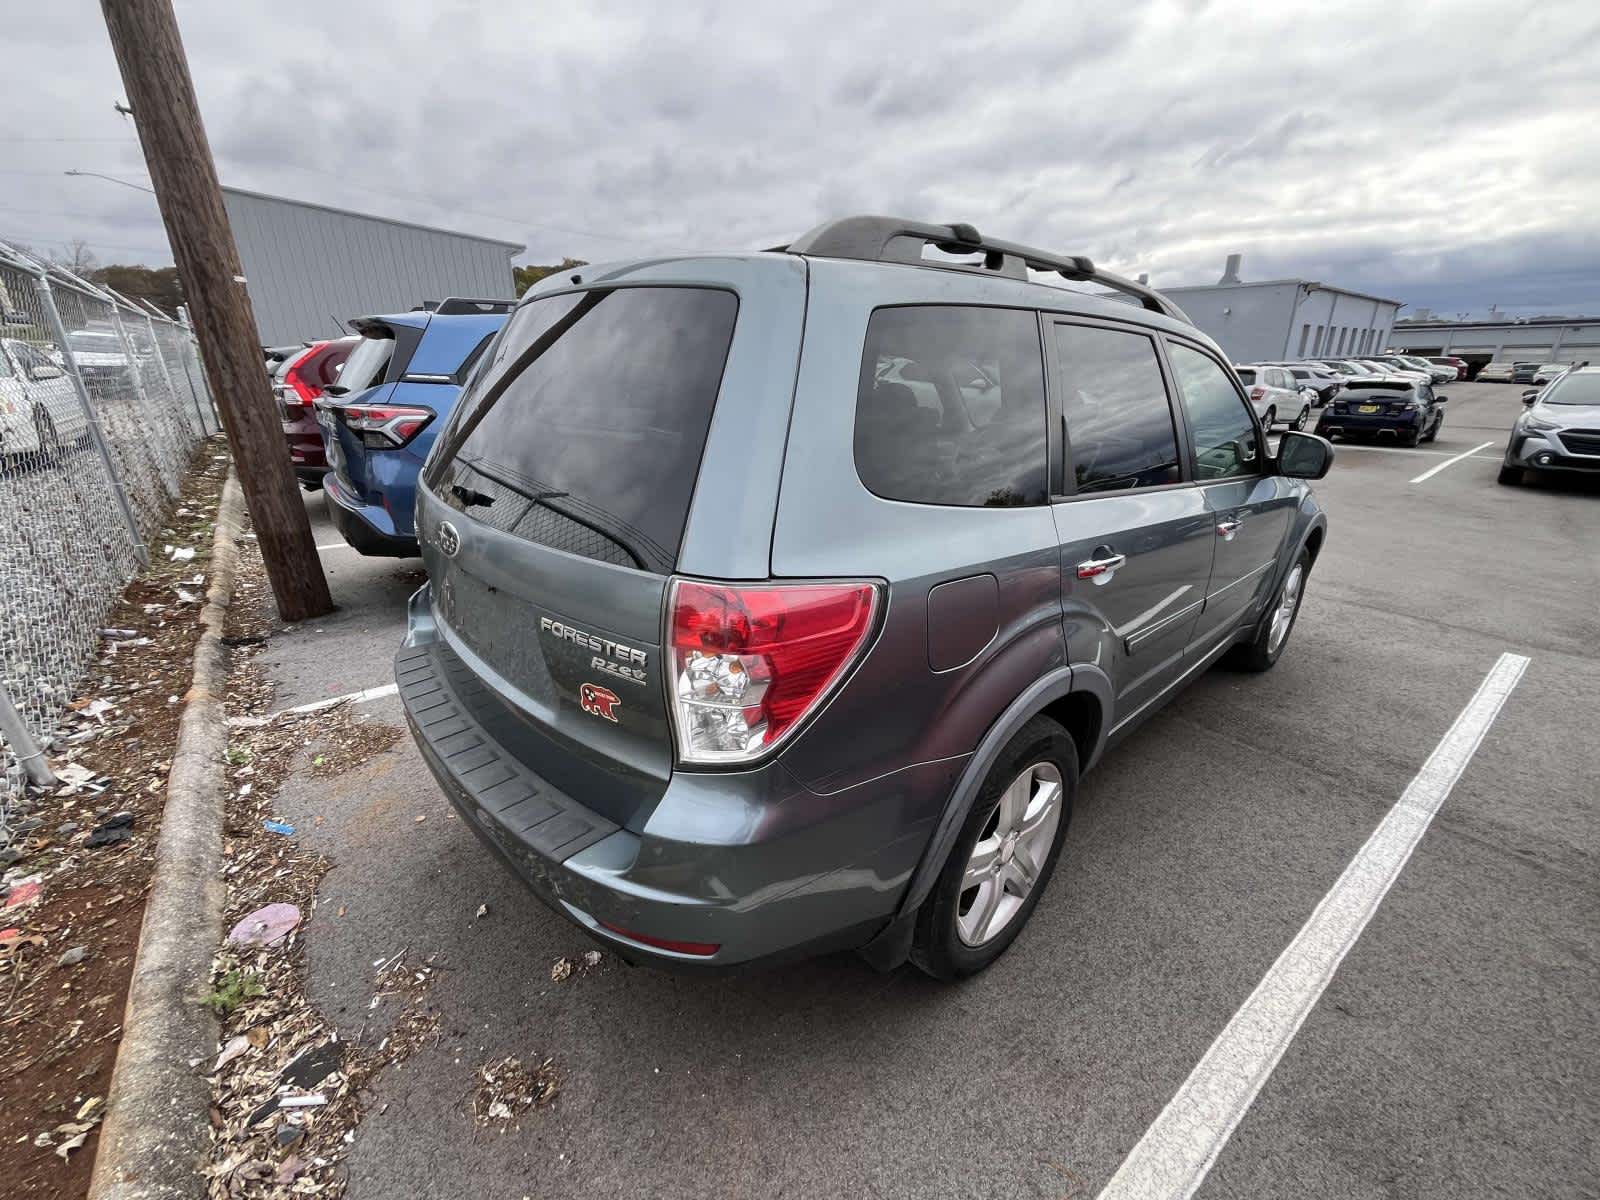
(449, 539)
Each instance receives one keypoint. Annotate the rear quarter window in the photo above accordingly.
(585, 430)
(950, 407)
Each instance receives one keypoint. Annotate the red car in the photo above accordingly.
(300, 379)
(1447, 360)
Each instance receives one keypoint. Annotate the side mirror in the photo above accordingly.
(1304, 455)
(1440, 397)
(1529, 396)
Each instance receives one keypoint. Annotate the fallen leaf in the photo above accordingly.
(235, 1047)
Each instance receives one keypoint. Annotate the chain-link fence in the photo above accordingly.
(101, 405)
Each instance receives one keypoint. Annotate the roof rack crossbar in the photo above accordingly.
(894, 239)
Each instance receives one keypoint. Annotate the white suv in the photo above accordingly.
(1277, 395)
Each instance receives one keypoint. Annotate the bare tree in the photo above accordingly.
(76, 257)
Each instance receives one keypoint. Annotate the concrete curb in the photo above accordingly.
(155, 1127)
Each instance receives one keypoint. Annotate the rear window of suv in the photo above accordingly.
(950, 407)
(585, 430)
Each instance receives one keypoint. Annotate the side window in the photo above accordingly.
(1220, 423)
(950, 407)
(1115, 411)
(5, 364)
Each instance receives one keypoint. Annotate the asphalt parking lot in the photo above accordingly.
(1453, 1053)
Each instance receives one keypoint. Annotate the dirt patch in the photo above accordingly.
(288, 1090)
(66, 956)
(508, 1088)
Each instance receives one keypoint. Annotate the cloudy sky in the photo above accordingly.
(1446, 154)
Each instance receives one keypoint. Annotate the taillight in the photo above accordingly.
(297, 391)
(751, 661)
(1257, 392)
(385, 425)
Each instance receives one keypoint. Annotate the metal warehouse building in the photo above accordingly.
(1286, 318)
(1535, 339)
(308, 266)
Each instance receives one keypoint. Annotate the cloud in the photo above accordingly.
(1442, 153)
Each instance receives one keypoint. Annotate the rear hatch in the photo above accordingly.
(566, 475)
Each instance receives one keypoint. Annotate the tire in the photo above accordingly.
(1301, 421)
(1411, 439)
(1510, 476)
(1433, 432)
(51, 448)
(1266, 645)
(953, 937)
(1271, 419)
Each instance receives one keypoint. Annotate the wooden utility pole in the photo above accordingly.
(144, 35)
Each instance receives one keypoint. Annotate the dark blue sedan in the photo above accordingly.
(1402, 410)
(381, 417)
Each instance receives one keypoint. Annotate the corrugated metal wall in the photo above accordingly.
(1267, 321)
(310, 267)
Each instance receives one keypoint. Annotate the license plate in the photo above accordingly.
(1369, 408)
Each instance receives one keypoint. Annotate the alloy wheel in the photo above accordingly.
(1283, 615)
(1006, 860)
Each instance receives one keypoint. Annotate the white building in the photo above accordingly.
(1287, 318)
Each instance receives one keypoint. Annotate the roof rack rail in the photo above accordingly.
(455, 306)
(894, 239)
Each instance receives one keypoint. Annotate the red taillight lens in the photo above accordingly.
(298, 391)
(382, 425)
(1257, 392)
(699, 949)
(750, 662)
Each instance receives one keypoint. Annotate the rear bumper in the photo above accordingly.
(1356, 425)
(306, 451)
(367, 527)
(751, 863)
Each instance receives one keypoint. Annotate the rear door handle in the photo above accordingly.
(1101, 569)
(1227, 527)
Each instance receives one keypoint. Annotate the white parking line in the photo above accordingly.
(1450, 462)
(377, 693)
(1175, 1153)
(1368, 447)
(335, 546)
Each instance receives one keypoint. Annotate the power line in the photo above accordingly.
(77, 140)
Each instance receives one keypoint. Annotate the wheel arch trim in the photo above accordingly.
(1044, 691)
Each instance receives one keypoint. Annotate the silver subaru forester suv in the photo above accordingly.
(777, 601)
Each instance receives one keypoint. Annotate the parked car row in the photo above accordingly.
(1523, 371)
(360, 413)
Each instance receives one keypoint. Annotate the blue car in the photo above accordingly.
(381, 417)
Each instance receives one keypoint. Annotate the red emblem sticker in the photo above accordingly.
(601, 702)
